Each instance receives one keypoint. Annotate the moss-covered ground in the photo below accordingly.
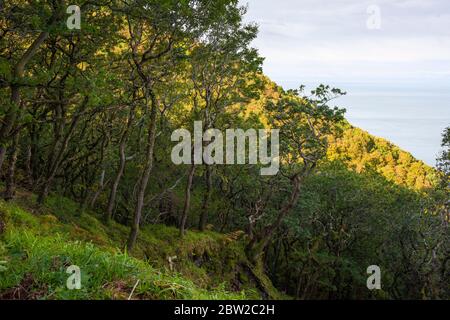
(39, 242)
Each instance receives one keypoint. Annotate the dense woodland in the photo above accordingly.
(87, 114)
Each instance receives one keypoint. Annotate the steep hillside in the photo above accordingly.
(38, 243)
(362, 151)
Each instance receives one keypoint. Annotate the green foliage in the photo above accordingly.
(346, 222)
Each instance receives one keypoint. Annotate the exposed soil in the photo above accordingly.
(25, 290)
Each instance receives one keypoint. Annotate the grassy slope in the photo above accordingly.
(37, 244)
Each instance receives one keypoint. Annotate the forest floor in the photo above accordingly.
(38, 243)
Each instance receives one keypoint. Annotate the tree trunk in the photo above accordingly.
(57, 158)
(206, 199)
(2, 157)
(145, 176)
(187, 201)
(259, 242)
(11, 115)
(33, 157)
(10, 183)
(115, 185)
(120, 171)
(10, 118)
(99, 190)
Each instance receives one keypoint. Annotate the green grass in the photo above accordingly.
(40, 242)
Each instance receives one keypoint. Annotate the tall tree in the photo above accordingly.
(305, 122)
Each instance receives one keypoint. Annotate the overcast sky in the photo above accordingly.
(396, 67)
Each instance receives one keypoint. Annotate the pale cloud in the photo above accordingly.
(415, 3)
(331, 38)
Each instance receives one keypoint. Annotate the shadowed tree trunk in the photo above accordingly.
(10, 118)
(56, 157)
(10, 183)
(187, 201)
(259, 241)
(115, 185)
(2, 156)
(148, 165)
(206, 199)
(119, 174)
